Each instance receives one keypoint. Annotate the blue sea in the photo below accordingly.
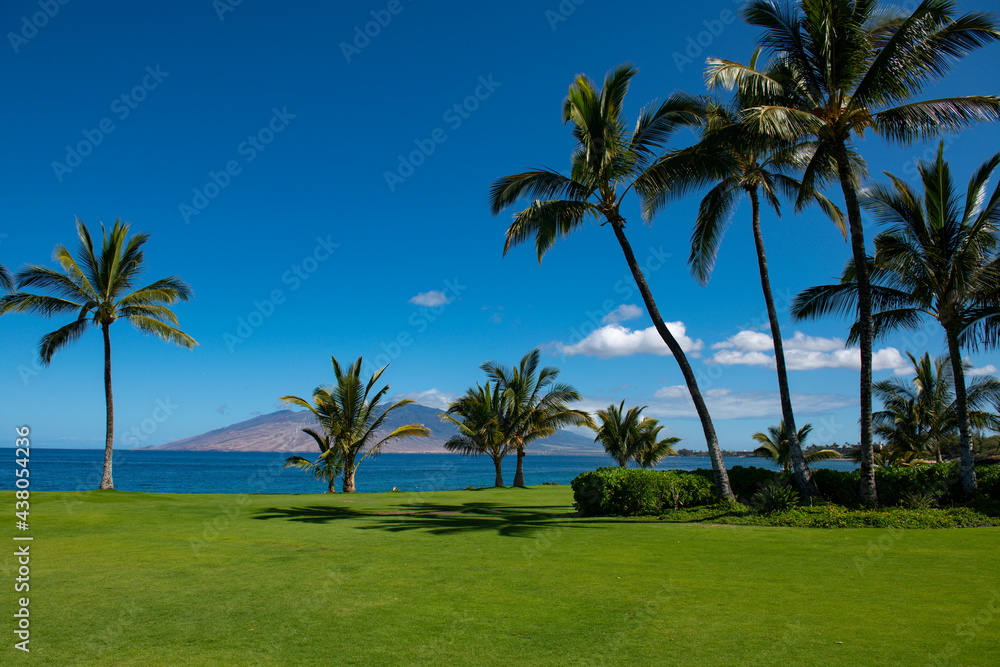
(262, 472)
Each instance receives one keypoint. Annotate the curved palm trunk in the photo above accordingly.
(109, 443)
(868, 492)
(332, 487)
(968, 466)
(519, 472)
(498, 482)
(722, 486)
(349, 475)
(803, 477)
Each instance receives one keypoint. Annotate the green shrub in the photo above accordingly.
(634, 492)
(988, 480)
(775, 498)
(839, 486)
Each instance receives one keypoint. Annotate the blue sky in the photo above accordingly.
(324, 191)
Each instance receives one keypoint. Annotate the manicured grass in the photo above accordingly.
(484, 577)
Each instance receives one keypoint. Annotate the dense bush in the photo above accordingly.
(634, 492)
(775, 498)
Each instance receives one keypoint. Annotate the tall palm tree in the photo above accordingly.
(619, 431)
(752, 166)
(327, 467)
(650, 448)
(483, 427)
(99, 286)
(845, 66)
(938, 259)
(536, 405)
(352, 420)
(775, 445)
(606, 164)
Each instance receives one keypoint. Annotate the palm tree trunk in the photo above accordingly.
(333, 484)
(498, 482)
(349, 477)
(109, 442)
(722, 487)
(519, 472)
(968, 466)
(803, 477)
(868, 492)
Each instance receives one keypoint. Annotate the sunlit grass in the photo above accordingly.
(484, 577)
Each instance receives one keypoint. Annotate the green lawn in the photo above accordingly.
(484, 577)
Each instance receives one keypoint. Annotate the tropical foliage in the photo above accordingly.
(775, 445)
(534, 405)
(939, 259)
(483, 429)
(98, 286)
(352, 419)
(919, 417)
(327, 467)
(608, 162)
(626, 435)
(843, 67)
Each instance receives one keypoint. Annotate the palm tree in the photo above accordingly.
(351, 421)
(99, 287)
(482, 427)
(327, 467)
(607, 163)
(536, 405)
(938, 259)
(619, 431)
(775, 445)
(845, 66)
(751, 166)
(650, 449)
(6, 280)
(919, 416)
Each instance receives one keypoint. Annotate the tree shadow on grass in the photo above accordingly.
(434, 518)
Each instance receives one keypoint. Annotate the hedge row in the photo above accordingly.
(634, 492)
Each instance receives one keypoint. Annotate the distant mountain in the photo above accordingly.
(282, 432)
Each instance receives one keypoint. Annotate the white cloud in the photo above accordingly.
(724, 403)
(431, 398)
(622, 313)
(430, 299)
(802, 353)
(614, 340)
(988, 369)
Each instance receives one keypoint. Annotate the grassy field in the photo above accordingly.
(483, 577)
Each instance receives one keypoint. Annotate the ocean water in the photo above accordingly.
(262, 472)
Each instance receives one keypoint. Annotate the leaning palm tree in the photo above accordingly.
(939, 259)
(650, 448)
(352, 420)
(606, 164)
(755, 166)
(846, 66)
(482, 429)
(619, 432)
(775, 445)
(536, 405)
(99, 286)
(327, 467)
